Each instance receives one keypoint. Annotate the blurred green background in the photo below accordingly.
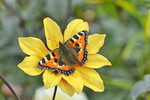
(127, 45)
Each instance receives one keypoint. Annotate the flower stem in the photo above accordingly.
(55, 90)
(10, 88)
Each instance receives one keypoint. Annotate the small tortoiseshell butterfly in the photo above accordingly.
(64, 58)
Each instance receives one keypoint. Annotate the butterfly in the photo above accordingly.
(64, 58)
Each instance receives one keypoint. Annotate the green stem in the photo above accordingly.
(55, 90)
(10, 88)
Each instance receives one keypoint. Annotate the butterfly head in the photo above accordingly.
(60, 44)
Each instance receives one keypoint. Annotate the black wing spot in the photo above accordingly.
(43, 60)
(53, 54)
(72, 40)
(76, 37)
(48, 57)
(77, 44)
(39, 64)
(80, 33)
(84, 31)
(55, 60)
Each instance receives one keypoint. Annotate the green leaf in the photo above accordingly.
(140, 87)
(147, 26)
(2, 96)
(126, 53)
(119, 83)
(130, 8)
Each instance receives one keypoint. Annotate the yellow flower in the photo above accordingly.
(84, 75)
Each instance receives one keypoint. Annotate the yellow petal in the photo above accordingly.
(75, 81)
(91, 79)
(29, 66)
(95, 42)
(51, 79)
(96, 61)
(66, 88)
(32, 46)
(53, 33)
(74, 27)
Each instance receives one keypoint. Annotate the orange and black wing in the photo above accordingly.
(52, 61)
(65, 69)
(79, 43)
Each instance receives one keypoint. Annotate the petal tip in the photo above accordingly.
(47, 18)
(109, 63)
(19, 64)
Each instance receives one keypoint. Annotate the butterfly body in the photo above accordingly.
(68, 55)
(64, 58)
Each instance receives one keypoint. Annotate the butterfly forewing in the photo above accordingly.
(79, 42)
(50, 61)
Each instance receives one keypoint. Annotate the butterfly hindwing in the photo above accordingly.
(65, 69)
(82, 56)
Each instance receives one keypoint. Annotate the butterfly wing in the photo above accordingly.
(52, 61)
(79, 42)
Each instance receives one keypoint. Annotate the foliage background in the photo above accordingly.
(127, 45)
